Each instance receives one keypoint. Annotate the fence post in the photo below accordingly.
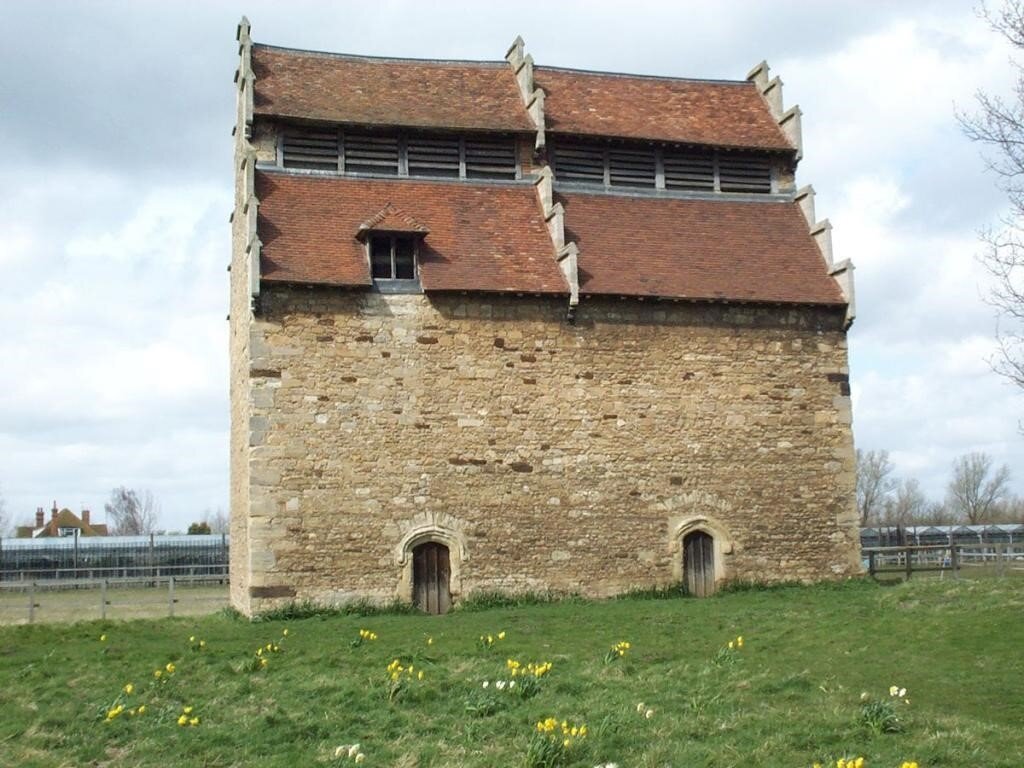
(871, 564)
(103, 599)
(170, 596)
(955, 560)
(910, 565)
(32, 602)
(1000, 560)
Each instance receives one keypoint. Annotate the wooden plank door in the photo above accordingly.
(699, 563)
(431, 578)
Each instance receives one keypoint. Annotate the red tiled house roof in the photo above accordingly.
(696, 249)
(394, 92)
(493, 237)
(714, 113)
(482, 237)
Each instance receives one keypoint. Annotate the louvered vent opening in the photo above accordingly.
(579, 163)
(631, 168)
(744, 174)
(490, 159)
(317, 150)
(433, 157)
(689, 171)
(371, 154)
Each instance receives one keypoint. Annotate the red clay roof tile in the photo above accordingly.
(696, 249)
(708, 112)
(482, 237)
(394, 92)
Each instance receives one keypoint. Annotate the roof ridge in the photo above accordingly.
(484, 63)
(667, 78)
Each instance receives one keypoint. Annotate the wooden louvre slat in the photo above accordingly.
(371, 154)
(433, 157)
(689, 171)
(315, 150)
(631, 168)
(579, 163)
(491, 159)
(744, 174)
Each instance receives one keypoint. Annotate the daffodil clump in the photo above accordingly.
(516, 669)
(188, 718)
(644, 711)
(881, 715)
(349, 752)
(487, 642)
(400, 678)
(617, 651)
(858, 762)
(260, 659)
(365, 636)
(165, 673)
(553, 742)
(122, 705)
(196, 644)
(729, 653)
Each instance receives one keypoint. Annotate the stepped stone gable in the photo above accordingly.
(470, 354)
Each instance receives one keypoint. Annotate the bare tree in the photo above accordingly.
(217, 520)
(998, 126)
(129, 515)
(907, 505)
(874, 484)
(977, 489)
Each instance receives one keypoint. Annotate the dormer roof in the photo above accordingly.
(391, 219)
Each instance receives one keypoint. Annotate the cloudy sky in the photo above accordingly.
(115, 190)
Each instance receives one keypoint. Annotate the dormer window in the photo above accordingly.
(392, 257)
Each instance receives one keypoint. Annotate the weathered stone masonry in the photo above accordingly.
(555, 455)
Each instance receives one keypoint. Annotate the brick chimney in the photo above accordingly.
(54, 511)
(40, 517)
(85, 517)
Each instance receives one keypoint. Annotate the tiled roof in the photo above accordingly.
(482, 237)
(719, 113)
(394, 92)
(696, 249)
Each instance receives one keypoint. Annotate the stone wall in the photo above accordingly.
(546, 455)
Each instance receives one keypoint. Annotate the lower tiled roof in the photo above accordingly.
(483, 237)
(696, 249)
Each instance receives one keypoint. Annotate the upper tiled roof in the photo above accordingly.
(696, 249)
(394, 92)
(725, 114)
(482, 237)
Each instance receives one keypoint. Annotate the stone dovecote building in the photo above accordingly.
(498, 326)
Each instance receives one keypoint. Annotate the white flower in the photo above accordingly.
(903, 692)
(649, 714)
(360, 757)
(500, 685)
(486, 683)
(640, 707)
(339, 751)
(863, 695)
(893, 690)
(511, 684)
(353, 751)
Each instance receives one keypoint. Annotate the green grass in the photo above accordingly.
(790, 697)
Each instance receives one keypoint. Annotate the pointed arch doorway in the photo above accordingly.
(431, 577)
(699, 563)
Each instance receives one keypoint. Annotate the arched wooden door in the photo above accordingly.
(431, 578)
(699, 563)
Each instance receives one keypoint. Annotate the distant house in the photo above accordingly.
(62, 522)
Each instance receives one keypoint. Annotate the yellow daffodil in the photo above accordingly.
(141, 710)
(284, 632)
(129, 688)
(194, 721)
(501, 635)
(170, 668)
(103, 638)
(183, 720)
(187, 710)
(158, 673)
(420, 675)
(192, 639)
(430, 641)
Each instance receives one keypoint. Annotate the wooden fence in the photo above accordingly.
(997, 559)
